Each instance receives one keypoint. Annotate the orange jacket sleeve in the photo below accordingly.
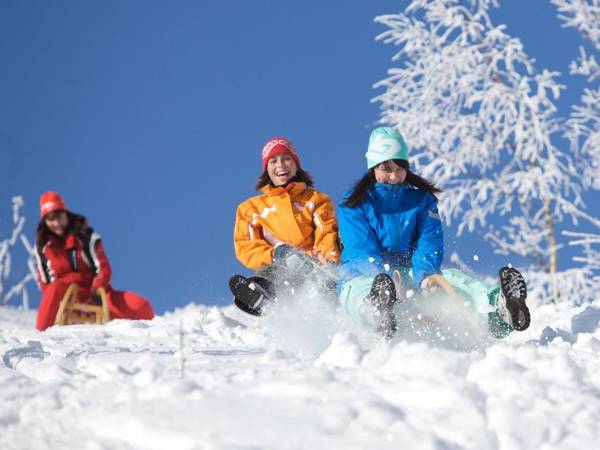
(326, 229)
(250, 247)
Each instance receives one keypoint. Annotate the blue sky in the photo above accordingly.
(149, 117)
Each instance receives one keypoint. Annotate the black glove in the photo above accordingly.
(294, 260)
(281, 253)
(96, 298)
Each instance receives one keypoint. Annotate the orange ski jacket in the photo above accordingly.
(296, 215)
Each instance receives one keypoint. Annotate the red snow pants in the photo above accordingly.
(121, 304)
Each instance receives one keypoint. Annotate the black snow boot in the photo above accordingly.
(511, 301)
(383, 296)
(250, 294)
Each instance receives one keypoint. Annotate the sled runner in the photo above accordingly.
(72, 311)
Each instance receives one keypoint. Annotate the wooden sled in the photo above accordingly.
(71, 311)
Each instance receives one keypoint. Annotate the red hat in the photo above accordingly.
(277, 146)
(51, 201)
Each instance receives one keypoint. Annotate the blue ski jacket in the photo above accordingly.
(395, 226)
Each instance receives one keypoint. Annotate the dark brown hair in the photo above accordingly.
(301, 176)
(366, 183)
(77, 223)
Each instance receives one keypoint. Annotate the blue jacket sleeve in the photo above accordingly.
(429, 246)
(361, 253)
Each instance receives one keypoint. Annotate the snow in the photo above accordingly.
(311, 382)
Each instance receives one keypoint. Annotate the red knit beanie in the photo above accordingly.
(278, 146)
(51, 201)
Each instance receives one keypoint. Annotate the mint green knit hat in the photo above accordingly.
(385, 143)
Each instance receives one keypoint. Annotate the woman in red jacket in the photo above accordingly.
(69, 251)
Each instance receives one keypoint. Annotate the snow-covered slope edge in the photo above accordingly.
(119, 386)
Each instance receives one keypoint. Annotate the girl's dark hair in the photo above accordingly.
(77, 223)
(366, 183)
(302, 176)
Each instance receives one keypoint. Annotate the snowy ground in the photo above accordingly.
(295, 382)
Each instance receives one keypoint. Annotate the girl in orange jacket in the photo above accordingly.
(284, 233)
(69, 251)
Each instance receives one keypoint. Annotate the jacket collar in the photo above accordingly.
(386, 189)
(67, 241)
(293, 188)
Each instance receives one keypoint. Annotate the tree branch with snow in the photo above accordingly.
(7, 246)
(583, 132)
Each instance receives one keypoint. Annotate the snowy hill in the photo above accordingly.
(295, 383)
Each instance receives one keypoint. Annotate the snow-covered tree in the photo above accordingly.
(584, 15)
(481, 122)
(19, 286)
(583, 127)
(583, 131)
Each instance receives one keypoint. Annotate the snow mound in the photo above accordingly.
(216, 378)
(344, 351)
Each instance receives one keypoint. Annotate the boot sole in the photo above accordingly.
(514, 289)
(383, 296)
(248, 294)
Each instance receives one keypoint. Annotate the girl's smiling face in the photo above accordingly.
(281, 169)
(57, 222)
(388, 172)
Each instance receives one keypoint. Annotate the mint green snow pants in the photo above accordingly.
(477, 294)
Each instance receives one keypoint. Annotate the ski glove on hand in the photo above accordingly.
(426, 284)
(431, 283)
(436, 283)
(292, 259)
